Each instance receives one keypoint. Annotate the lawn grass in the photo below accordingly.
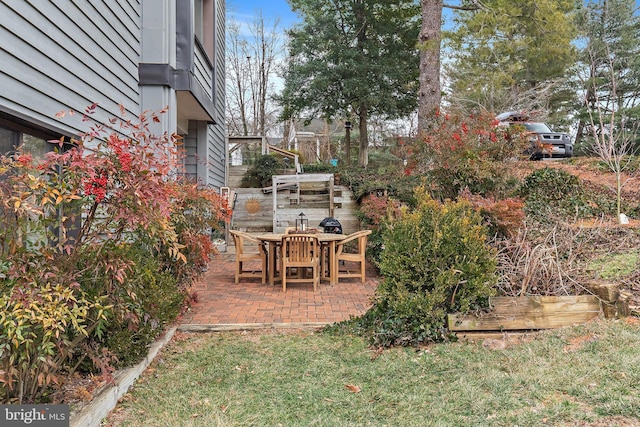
(613, 266)
(582, 376)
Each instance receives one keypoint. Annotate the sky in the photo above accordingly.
(246, 10)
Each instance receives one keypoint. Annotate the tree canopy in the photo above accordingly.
(609, 63)
(365, 60)
(352, 58)
(510, 55)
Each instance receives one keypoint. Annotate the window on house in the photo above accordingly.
(14, 135)
(38, 147)
(204, 25)
(198, 24)
(8, 141)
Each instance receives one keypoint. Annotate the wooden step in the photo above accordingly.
(282, 186)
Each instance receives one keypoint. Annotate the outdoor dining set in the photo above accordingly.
(301, 255)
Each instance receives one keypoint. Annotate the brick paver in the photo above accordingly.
(219, 301)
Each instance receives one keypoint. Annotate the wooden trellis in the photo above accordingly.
(294, 184)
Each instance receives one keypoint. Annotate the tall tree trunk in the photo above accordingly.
(363, 112)
(242, 106)
(347, 142)
(363, 155)
(429, 96)
(579, 132)
(263, 76)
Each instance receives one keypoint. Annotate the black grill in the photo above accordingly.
(331, 225)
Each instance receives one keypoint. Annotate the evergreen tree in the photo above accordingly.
(511, 55)
(609, 65)
(352, 58)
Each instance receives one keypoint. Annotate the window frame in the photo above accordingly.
(204, 26)
(20, 128)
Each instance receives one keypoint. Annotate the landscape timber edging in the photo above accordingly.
(250, 326)
(529, 313)
(92, 414)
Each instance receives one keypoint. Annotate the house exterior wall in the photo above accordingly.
(61, 55)
(190, 142)
(193, 80)
(217, 146)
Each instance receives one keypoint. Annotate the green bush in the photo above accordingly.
(41, 325)
(435, 261)
(94, 245)
(148, 299)
(372, 213)
(161, 298)
(198, 215)
(320, 168)
(261, 172)
(467, 152)
(552, 192)
(383, 161)
(364, 182)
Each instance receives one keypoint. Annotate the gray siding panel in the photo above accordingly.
(216, 157)
(203, 72)
(190, 142)
(220, 65)
(61, 55)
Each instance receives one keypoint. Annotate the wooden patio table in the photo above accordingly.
(326, 239)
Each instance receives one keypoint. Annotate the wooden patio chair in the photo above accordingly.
(358, 257)
(239, 239)
(300, 251)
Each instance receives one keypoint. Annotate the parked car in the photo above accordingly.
(544, 141)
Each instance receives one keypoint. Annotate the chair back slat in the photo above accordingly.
(239, 239)
(301, 248)
(357, 257)
(300, 251)
(238, 242)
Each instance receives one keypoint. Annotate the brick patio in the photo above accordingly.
(221, 303)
